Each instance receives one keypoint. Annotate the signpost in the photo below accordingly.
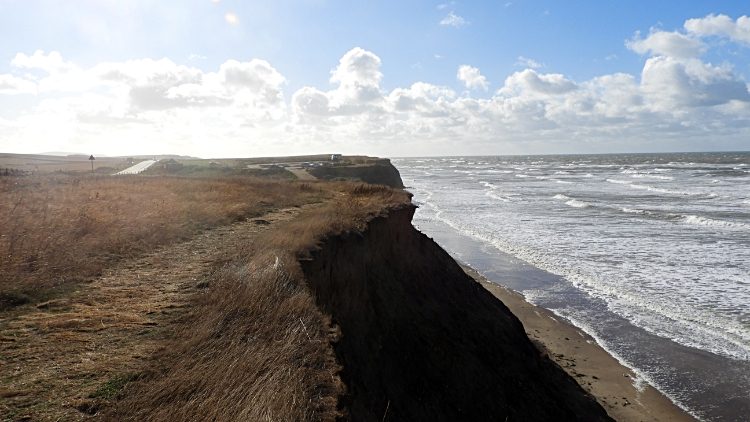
(91, 158)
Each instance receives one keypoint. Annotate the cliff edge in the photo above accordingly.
(422, 341)
(375, 171)
(348, 313)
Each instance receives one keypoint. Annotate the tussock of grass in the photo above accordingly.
(255, 345)
(58, 230)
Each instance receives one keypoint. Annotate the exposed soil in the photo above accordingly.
(422, 341)
(56, 354)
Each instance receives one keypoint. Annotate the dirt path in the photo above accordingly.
(302, 174)
(53, 358)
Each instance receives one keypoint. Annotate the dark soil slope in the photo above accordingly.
(380, 172)
(422, 341)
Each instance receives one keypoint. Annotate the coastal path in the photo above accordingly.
(57, 354)
(143, 165)
(302, 174)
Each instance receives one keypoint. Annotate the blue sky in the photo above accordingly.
(492, 77)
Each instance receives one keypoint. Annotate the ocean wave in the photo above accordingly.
(577, 204)
(563, 182)
(619, 182)
(705, 221)
(691, 327)
(560, 196)
(493, 195)
(635, 211)
(662, 190)
(652, 176)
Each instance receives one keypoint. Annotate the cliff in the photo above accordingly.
(377, 172)
(348, 313)
(422, 341)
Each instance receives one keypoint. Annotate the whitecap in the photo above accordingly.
(620, 182)
(705, 221)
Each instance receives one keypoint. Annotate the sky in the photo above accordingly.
(231, 78)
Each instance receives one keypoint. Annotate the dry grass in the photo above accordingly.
(58, 230)
(255, 346)
(251, 346)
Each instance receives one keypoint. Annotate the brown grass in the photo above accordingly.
(251, 346)
(58, 230)
(255, 346)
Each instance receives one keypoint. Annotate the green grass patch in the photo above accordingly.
(113, 387)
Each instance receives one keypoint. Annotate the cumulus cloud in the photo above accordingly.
(10, 84)
(672, 44)
(358, 76)
(677, 84)
(529, 81)
(721, 25)
(240, 108)
(454, 20)
(52, 62)
(144, 97)
(471, 78)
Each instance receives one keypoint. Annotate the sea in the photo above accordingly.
(647, 253)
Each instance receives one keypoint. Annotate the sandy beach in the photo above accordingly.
(615, 387)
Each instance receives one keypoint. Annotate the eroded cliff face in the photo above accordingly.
(422, 341)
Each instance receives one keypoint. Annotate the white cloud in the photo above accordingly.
(52, 62)
(10, 84)
(611, 57)
(674, 85)
(196, 56)
(443, 6)
(437, 56)
(523, 61)
(239, 109)
(453, 20)
(358, 76)
(532, 82)
(672, 44)
(721, 25)
(471, 78)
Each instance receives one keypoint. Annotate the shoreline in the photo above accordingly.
(618, 389)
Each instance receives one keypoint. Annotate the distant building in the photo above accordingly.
(129, 160)
(335, 157)
(214, 164)
(172, 165)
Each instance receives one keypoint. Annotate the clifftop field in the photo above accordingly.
(70, 338)
(223, 295)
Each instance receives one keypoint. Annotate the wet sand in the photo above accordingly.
(615, 387)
